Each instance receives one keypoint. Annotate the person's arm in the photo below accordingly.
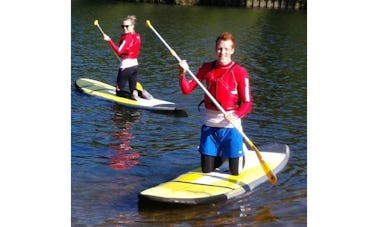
(244, 93)
(115, 48)
(187, 86)
(111, 43)
(119, 50)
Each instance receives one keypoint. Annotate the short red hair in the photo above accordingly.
(226, 36)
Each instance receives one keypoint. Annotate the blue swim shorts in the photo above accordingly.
(224, 142)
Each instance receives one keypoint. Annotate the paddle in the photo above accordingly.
(268, 172)
(103, 33)
(139, 86)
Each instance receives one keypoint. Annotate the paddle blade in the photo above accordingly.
(139, 86)
(268, 172)
(95, 22)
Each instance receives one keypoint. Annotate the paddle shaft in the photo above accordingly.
(271, 176)
(99, 27)
(103, 33)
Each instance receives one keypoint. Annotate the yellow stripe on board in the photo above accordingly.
(197, 185)
(98, 88)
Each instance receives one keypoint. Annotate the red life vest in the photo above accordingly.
(228, 84)
(222, 85)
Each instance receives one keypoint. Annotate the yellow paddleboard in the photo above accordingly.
(195, 187)
(106, 91)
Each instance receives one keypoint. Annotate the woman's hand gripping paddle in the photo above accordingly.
(268, 172)
(139, 86)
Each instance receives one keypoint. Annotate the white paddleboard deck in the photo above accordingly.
(106, 91)
(195, 187)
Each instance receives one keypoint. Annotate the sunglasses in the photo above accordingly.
(123, 26)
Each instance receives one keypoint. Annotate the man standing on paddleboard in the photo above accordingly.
(128, 51)
(228, 83)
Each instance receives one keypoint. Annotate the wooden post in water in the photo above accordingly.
(275, 4)
(269, 4)
(293, 4)
(256, 3)
(289, 4)
(296, 5)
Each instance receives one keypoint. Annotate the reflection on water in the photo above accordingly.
(124, 157)
(220, 214)
(117, 152)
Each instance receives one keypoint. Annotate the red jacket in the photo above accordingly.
(128, 46)
(228, 84)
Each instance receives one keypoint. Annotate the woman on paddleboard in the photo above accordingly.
(128, 50)
(228, 83)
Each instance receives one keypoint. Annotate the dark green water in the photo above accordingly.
(117, 152)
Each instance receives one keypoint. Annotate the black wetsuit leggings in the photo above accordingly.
(209, 163)
(124, 76)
